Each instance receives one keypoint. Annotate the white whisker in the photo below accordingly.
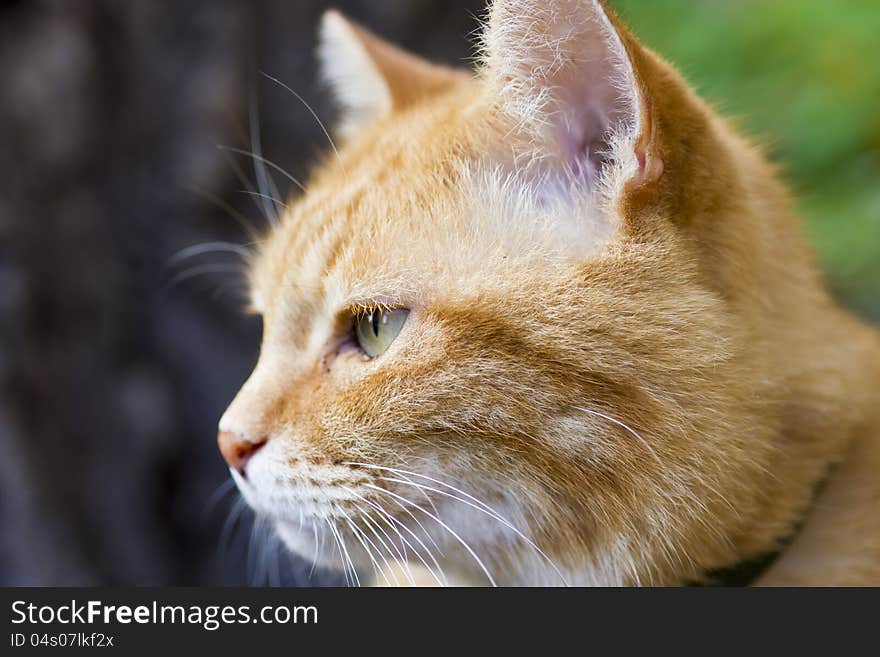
(207, 247)
(626, 427)
(222, 490)
(239, 173)
(308, 107)
(328, 522)
(383, 514)
(348, 559)
(201, 270)
(264, 181)
(373, 526)
(232, 518)
(474, 502)
(388, 570)
(442, 524)
(275, 561)
(489, 512)
(269, 163)
(239, 218)
(315, 556)
(357, 534)
(441, 581)
(260, 195)
(416, 520)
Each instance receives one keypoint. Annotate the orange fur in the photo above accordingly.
(647, 380)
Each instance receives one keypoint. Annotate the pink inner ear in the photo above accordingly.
(593, 100)
(583, 142)
(561, 70)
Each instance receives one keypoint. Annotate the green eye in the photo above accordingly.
(377, 329)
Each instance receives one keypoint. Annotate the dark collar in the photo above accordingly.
(747, 571)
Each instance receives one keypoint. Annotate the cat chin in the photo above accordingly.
(520, 568)
(301, 542)
(294, 539)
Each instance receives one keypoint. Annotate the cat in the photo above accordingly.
(551, 322)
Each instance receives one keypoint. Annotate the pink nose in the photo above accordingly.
(238, 450)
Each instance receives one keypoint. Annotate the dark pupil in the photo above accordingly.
(376, 323)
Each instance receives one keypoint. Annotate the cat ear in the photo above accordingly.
(370, 77)
(563, 73)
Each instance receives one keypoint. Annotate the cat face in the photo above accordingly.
(495, 327)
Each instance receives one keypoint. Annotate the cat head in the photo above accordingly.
(510, 320)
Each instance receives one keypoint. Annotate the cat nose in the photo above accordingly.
(238, 450)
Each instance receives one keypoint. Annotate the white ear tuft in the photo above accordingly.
(347, 66)
(370, 77)
(560, 71)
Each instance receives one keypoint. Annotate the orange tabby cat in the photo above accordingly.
(551, 323)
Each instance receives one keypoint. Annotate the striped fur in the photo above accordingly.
(638, 369)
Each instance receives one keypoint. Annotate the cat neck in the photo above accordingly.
(839, 542)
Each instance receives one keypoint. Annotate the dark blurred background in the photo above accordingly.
(116, 359)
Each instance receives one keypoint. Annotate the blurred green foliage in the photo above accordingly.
(802, 78)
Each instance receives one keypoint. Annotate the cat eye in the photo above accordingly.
(376, 329)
